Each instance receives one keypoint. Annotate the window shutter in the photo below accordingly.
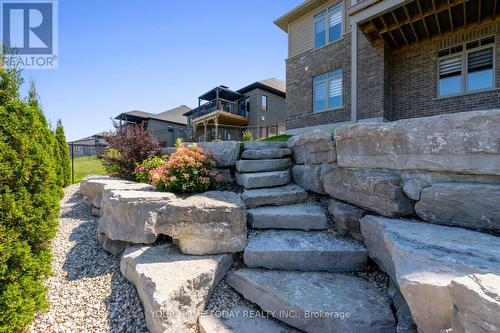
(336, 87)
(480, 60)
(450, 67)
(336, 17)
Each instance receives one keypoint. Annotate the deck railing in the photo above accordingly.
(237, 108)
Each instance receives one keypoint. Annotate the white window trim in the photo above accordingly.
(327, 97)
(464, 69)
(327, 26)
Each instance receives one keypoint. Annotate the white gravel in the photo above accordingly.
(87, 292)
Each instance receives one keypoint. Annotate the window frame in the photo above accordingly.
(327, 24)
(262, 98)
(464, 55)
(326, 80)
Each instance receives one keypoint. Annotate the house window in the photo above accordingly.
(327, 91)
(264, 103)
(328, 25)
(466, 68)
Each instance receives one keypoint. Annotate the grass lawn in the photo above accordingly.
(282, 137)
(87, 165)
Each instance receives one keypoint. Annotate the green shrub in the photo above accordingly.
(178, 142)
(142, 170)
(247, 135)
(63, 156)
(29, 204)
(112, 160)
(187, 170)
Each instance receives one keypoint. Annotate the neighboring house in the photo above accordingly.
(224, 114)
(165, 126)
(88, 146)
(405, 59)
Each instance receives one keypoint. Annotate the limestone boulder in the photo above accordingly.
(263, 179)
(316, 302)
(313, 147)
(224, 175)
(465, 142)
(256, 145)
(225, 153)
(173, 287)
(346, 218)
(405, 323)
(266, 153)
(476, 300)
(424, 258)
(263, 165)
(242, 319)
(208, 223)
(93, 187)
(468, 205)
(310, 177)
(131, 216)
(274, 196)
(375, 190)
(415, 181)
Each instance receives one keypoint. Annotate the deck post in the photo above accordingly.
(354, 72)
(216, 128)
(205, 131)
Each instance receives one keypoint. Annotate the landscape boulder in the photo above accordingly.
(263, 165)
(465, 142)
(207, 223)
(93, 188)
(405, 323)
(415, 181)
(375, 190)
(310, 177)
(256, 145)
(346, 218)
(468, 205)
(131, 216)
(476, 302)
(424, 258)
(174, 288)
(266, 153)
(316, 302)
(225, 153)
(313, 147)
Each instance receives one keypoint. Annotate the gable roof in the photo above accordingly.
(272, 85)
(174, 115)
(297, 12)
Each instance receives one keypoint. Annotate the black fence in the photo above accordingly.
(238, 133)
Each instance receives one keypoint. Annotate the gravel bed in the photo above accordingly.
(87, 292)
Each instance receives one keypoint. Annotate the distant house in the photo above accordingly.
(166, 126)
(88, 146)
(224, 114)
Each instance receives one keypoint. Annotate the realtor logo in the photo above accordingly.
(29, 33)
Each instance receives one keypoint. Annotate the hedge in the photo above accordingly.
(64, 160)
(29, 204)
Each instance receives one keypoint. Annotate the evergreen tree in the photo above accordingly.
(64, 157)
(29, 204)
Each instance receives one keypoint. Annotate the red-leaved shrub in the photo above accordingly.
(130, 144)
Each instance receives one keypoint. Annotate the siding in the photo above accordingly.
(300, 32)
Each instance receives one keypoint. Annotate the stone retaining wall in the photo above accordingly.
(445, 169)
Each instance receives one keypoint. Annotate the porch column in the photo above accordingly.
(354, 71)
(205, 131)
(216, 128)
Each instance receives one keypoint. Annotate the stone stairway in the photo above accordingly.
(295, 265)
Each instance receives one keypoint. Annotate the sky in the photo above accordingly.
(154, 55)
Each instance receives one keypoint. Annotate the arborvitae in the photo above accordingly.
(64, 157)
(29, 195)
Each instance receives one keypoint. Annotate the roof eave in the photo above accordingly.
(297, 12)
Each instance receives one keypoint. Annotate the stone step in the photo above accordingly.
(275, 196)
(317, 302)
(264, 145)
(263, 165)
(263, 179)
(242, 319)
(298, 216)
(304, 251)
(261, 154)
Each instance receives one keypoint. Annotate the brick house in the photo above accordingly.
(224, 114)
(384, 60)
(166, 126)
